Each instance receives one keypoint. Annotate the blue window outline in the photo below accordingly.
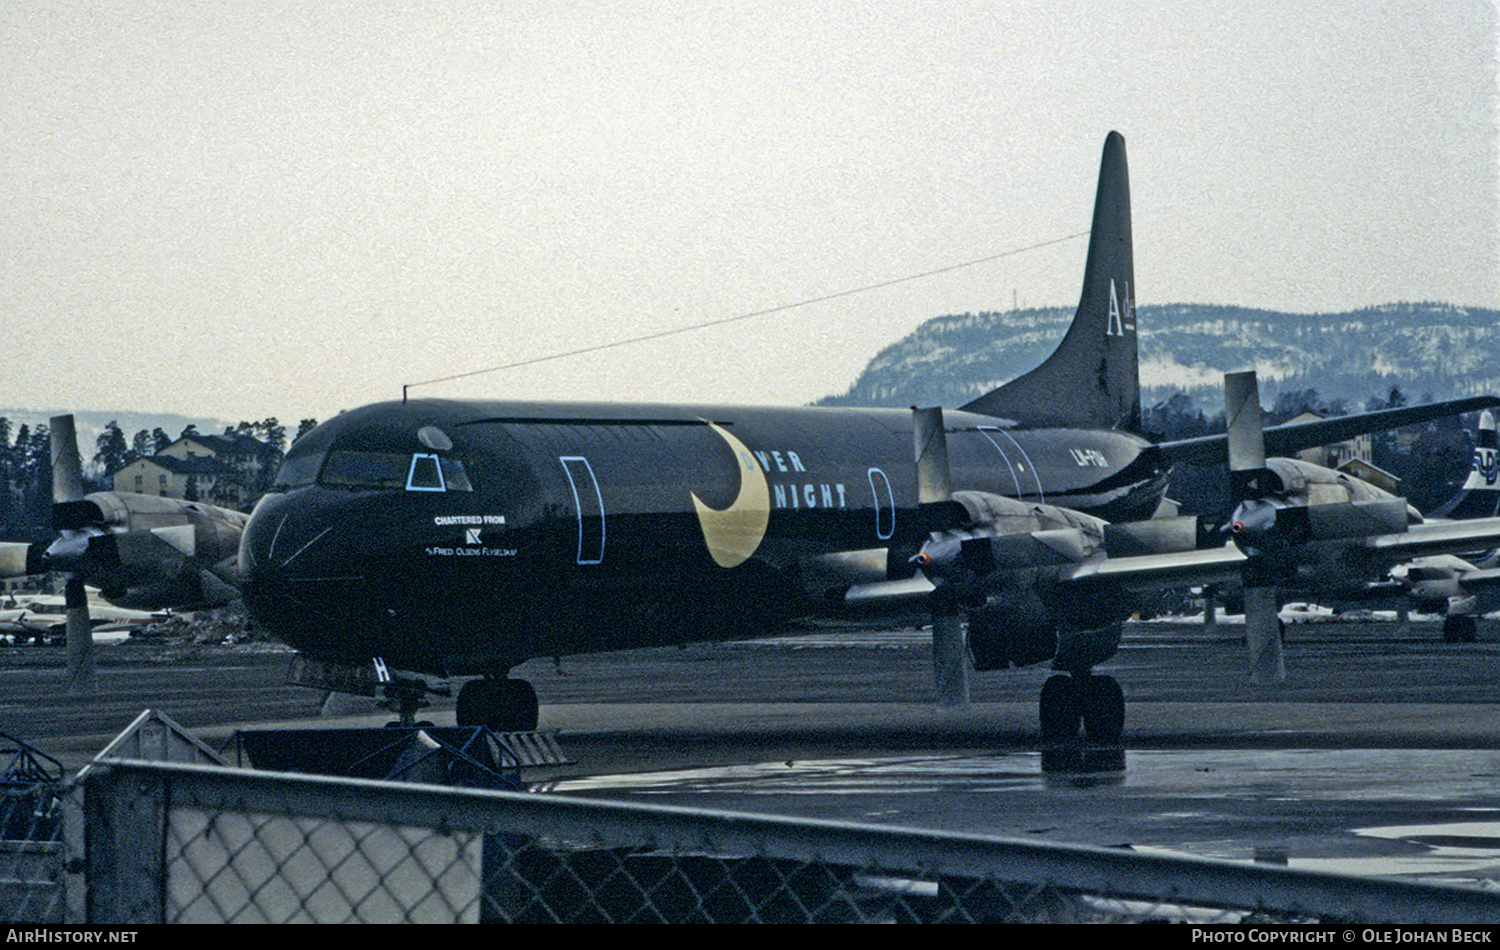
(437, 466)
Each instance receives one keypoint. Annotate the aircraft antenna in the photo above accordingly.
(660, 334)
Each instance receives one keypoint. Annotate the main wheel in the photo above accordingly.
(518, 708)
(475, 701)
(1103, 709)
(1060, 709)
(502, 705)
(1460, 628)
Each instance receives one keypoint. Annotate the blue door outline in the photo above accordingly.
(585, 495)
(1036, 480)
(885, 514)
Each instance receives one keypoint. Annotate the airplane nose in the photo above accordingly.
(296, 585)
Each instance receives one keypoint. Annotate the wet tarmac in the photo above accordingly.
(1380, 756)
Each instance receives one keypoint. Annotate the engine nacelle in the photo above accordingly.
(1304, 483)
(999, 515)
(1013, 628)
(149, 552)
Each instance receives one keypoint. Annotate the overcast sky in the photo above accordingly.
(245, 209)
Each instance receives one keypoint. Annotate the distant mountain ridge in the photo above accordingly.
(1427, 349)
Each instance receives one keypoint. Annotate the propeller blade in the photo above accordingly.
(939, 512)
(950, 661)
(1263, 636)
(1250, 483)
(1242, 414)
(934, 481)
(935, 500)
(67, 465)
(80, 631)
(1249, 479)
(16, 560)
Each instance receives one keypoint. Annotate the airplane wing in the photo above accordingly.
(1294, 437)
(1154, 571)
(1437, 537)
(1136, 573)
(1487, 579)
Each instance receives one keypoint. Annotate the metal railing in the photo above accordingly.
(193, 843)
(33, 855)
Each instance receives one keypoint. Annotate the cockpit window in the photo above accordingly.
(367, 470)
(298, 471)
(454, 475)
(424, 474)
(391, 471)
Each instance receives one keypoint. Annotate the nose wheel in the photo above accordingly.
(1082, 700)
(504, 705)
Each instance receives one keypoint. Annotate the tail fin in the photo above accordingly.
(1480, 495)
(1091, 381)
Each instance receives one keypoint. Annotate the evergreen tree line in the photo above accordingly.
(1432, 459)
(26, 469)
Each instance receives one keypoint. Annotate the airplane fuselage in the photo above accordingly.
(460, 537)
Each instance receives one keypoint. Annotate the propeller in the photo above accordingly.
(1297, 522)
(143, 550)
(940, 512)
(1254, 525)
(69, 550)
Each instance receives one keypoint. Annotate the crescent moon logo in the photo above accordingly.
(733, 534)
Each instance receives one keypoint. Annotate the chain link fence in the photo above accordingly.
(197, 844)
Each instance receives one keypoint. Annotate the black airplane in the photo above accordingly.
(426, 539)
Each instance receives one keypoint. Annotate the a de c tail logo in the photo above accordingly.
(1487, 465)
(1121, 318)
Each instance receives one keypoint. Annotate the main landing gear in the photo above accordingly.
(502, 704)
(1082, 699)
(1460, 628)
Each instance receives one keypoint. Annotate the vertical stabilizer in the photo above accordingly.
(1091, 381)
(1480, 495)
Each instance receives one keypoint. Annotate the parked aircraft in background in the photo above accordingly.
(1462, 588)
(43, 618)
(407, 543)
(142, 552)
